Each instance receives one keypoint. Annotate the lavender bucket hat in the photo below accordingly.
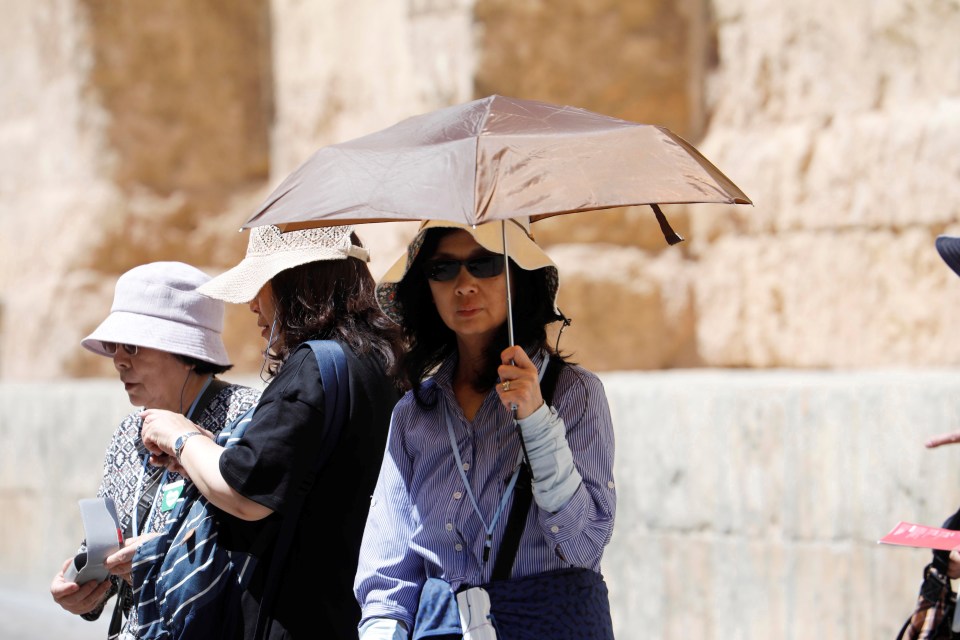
(156, 306)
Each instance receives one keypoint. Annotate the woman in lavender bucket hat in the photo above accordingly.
(165, 342)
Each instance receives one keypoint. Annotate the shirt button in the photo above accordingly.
(457, 495)
(449, 526)
(554, 528)
(458, 547)
(466, 466)
(610, 484)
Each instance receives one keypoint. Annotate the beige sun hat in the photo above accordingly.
(521, 248)
(271, 250)
(156, 306)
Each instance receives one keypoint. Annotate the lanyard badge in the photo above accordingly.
(169, 494)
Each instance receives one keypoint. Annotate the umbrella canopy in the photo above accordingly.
(494, 159)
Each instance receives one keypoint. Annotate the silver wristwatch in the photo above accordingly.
(182, 440)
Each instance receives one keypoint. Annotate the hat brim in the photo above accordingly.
(522, 250)
(271, 250)
(124, 327)
(242, 283)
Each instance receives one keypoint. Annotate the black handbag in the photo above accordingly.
(933, 614)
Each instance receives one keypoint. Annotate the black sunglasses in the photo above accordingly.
(111, 348)
(444, 270)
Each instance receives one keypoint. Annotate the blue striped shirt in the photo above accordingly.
(422, 523)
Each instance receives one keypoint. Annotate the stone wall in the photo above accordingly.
(749, 503)
(839, 120)
(143, 131)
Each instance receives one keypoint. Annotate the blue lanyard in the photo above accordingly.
(134, 524)
(488, 541)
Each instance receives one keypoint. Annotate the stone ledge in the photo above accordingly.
(749, 502)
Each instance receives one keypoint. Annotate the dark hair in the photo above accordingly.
(202, 367)
(430, 341)
(333, 300)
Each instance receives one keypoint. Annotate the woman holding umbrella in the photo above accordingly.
(448, 507)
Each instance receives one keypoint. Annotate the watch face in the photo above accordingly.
(178, 444)
(182, 440)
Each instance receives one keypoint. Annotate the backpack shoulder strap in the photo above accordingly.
(332, 363)
(548, 385)
(522, 491)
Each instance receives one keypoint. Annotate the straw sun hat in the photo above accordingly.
(521, 248)
(156, 306)
(271, 250)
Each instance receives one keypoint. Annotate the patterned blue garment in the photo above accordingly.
(184, 569)
(124, 471)
(422, 523)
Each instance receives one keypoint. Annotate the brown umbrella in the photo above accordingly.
(494, 159)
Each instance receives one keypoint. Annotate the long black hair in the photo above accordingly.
(333, 300)
(430, 341)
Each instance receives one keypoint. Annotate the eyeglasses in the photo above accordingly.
(111, 348)
(445, 270)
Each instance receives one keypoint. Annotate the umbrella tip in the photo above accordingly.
(671, 236)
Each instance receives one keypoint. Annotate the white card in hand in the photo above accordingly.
(104, 537)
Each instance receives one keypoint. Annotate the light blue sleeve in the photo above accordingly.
(551, 461)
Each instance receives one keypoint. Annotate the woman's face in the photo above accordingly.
(472, 307)
(152, 379)
(266, 309)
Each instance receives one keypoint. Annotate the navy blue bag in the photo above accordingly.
(567, 604)
(185, 585)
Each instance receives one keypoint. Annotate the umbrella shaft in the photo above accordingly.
(506, 257)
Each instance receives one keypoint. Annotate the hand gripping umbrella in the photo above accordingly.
(494, 159)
